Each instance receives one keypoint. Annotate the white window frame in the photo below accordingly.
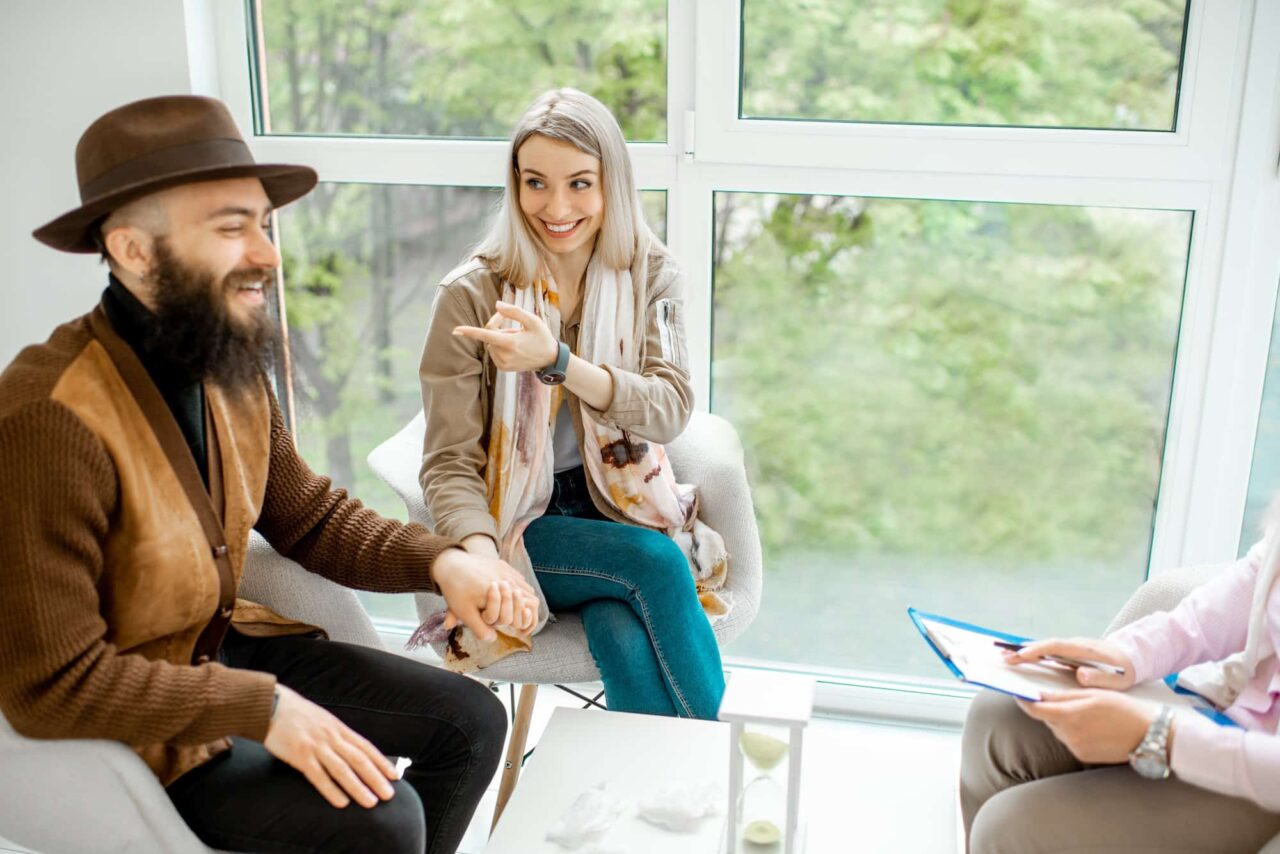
(1219, 163)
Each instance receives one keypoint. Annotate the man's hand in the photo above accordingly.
(483, 592)
(338, 761)
(1098, 727)
(1083, 649)
(527, 347)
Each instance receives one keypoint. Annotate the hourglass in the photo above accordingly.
(767, 713)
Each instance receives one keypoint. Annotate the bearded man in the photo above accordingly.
(140, 444)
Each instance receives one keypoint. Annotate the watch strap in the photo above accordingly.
(1158, 733)
(559, 366)
(1154, 747)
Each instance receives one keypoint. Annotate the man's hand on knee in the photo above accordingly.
(338, 761)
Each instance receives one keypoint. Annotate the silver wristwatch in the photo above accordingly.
(1151, 757)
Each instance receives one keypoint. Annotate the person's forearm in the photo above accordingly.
(591, 383)
(307, 521)
(1208, 624)
(1228, 760)
(480, 544)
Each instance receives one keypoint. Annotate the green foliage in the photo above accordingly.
(361, 263)
(459, 67)
(1055, 63)
(948, 378)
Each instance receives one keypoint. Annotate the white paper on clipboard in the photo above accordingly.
(981, 662)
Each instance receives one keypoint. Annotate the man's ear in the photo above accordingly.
(131, 248)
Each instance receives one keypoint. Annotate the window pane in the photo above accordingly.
(1264, 476)
(959, 406)
(361, 263)
(456, 68)
(1039, 63)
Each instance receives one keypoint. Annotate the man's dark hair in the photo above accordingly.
(100, 241)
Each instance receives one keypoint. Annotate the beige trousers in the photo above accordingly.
(1022, 792)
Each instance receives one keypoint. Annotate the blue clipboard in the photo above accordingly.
(1203, 706)
(917, 616)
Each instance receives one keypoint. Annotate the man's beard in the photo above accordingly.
(195, 333)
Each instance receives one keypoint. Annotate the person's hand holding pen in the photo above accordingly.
(1082, 651)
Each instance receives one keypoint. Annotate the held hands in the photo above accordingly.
(1086, 649)
(339, 762)
(483, 591)
(527, 347)
(1098, 727)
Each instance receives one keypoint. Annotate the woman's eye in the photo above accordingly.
(533, 184)
(581, 185)
(231, 229)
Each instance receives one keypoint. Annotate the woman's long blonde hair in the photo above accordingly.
(514, 251)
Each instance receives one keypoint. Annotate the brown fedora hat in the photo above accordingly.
(156, 143)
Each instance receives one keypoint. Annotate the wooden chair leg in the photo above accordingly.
(515, 749)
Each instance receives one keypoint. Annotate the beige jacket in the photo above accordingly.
(458, 378)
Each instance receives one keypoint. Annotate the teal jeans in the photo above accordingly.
(646, 629)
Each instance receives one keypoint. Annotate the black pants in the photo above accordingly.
(449, 726)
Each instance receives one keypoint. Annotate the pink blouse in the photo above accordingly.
(1209, 625)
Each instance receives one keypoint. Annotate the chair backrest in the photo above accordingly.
(398, 461)
(1162, 592)
(707, 454)
(291, 591)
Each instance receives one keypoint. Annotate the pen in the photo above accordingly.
(1064, 660)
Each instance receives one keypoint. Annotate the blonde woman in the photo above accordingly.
(554, 369)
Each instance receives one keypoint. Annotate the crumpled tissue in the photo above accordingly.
(680, 806)
(587, 819)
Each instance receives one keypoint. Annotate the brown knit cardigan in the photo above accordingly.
(118, 568)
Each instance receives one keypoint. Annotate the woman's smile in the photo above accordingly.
(561, 230)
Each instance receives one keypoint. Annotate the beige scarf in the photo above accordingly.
(633, 475)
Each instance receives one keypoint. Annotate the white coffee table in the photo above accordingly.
(633, 755)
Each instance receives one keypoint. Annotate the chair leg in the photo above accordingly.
(515, 749)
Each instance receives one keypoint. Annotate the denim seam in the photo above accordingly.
(648, 623)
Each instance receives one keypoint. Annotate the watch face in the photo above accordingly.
(1150, 765)
(551, 377)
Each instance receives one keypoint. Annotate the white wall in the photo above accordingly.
(63, 63)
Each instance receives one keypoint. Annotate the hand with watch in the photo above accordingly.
(530, 346)
(1151, 757)
(554, 374)
(527, 346)
(1105, 727)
